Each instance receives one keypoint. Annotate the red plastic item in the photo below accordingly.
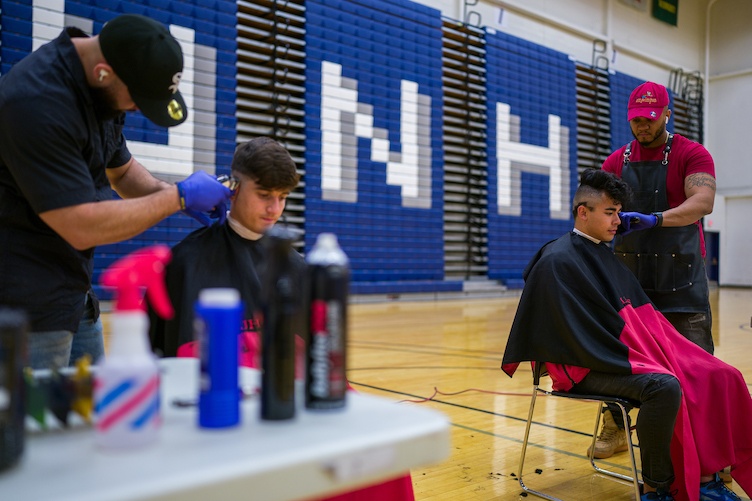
(139, 269)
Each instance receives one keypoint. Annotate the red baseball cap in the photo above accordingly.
(648, 101)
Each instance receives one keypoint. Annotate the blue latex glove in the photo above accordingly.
(635, 221)
(218, 215)
(198, 216)
(201, 192)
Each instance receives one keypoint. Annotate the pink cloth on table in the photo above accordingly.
(397, 489)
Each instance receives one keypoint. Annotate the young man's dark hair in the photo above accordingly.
(593, 182)
(266, 162)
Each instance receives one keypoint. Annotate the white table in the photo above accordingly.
(315, 454)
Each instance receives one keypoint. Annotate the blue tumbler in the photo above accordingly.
(217, 328)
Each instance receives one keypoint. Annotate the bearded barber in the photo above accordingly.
(673, 181)
(661, 239)
(62, 152)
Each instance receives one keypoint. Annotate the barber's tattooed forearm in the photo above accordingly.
(700, 180)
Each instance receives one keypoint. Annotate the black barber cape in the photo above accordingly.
(214, 256)
(582, 309)
(569, 309)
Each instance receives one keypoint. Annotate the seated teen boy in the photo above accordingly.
(229, 254)
(601, 335)
(232, 255)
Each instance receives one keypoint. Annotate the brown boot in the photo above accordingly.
(610, 440)
(725, 474)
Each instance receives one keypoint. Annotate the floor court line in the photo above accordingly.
(432, 351)
(446, 348)
(484, 411)
(543, 446)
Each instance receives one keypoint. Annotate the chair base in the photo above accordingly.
(622, 404)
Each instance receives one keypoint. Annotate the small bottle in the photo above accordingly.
(126, 384)
(329, 279)
(280, 308)
(217, 328)
(13, 327)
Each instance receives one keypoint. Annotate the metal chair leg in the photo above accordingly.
(598, 414)
(524, 450)
(633, 479)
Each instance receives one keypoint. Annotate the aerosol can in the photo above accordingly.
(329, 279)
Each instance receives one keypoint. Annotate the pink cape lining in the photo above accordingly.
(712, 428)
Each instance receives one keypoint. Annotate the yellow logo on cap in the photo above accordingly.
(175, 110)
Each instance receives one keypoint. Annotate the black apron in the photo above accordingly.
(667, 261)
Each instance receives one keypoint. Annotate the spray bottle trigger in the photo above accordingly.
(142, 268)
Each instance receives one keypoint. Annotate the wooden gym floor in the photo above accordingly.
(446, 355)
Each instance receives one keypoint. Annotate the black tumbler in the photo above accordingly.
(13, 327)
(280, 310)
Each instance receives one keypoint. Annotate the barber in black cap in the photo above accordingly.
(62, 151)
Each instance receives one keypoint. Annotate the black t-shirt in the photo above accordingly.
(53, 153)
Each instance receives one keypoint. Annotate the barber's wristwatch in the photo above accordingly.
(659, 216)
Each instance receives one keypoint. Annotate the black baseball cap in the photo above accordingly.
(148, 59)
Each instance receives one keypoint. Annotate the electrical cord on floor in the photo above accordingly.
(437, 392)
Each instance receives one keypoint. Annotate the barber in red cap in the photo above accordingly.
(661, 238)
(62, 152)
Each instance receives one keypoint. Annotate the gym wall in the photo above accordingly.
(441, 154)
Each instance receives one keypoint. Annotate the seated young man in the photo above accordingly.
(229, 254)
(232, 255)
(601, 335)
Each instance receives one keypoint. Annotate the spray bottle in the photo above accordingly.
(329, 278)
(126, 386)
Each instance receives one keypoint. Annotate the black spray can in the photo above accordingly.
(329, 282)
(280, 312)
(13, 329)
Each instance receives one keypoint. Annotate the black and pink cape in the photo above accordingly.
(582, 309)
